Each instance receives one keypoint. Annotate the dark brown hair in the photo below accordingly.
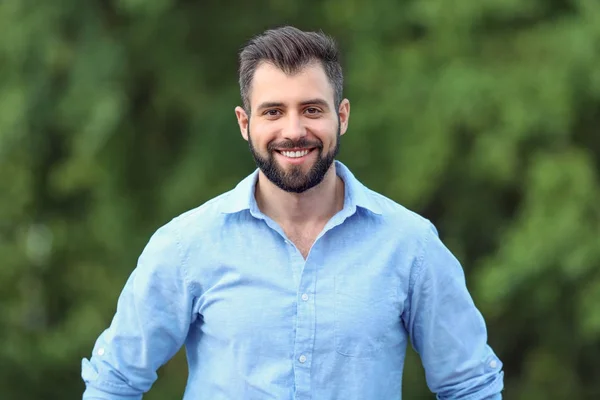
(290, 50)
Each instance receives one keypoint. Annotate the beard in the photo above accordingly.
(295, 180)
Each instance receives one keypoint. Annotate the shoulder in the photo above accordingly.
(201, 219)
(380, 209)
(196, 225)
(414, 235)
(400, 218)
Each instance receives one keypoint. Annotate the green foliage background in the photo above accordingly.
(482, 115)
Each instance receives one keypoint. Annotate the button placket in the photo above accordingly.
(305, 330)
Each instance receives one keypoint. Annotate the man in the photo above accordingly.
(300, 283)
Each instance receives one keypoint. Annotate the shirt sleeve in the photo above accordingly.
(447, 330)
(152, 319)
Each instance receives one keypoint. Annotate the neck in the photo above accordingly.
(313, 206)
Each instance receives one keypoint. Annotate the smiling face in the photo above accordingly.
(294, 129)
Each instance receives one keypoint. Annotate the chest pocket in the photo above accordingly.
(366, 317)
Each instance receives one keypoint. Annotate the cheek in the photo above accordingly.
(261, 133)
(326, 131)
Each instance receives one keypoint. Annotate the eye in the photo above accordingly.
(312, 111)
(271, 113)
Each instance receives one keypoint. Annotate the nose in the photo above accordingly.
(294, 129)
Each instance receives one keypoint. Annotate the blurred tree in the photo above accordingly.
(481, 115)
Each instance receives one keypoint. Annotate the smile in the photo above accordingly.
(295, 153)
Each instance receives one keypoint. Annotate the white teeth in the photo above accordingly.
(295, 154)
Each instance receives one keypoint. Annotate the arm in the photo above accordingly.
(447, 330)
(153, 315)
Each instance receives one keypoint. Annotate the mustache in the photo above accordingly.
(290, 144)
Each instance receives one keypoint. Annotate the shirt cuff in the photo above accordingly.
(91, 393)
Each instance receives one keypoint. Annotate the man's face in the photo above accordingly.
(295, 129)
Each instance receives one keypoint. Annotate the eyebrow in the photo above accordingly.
(316, 101)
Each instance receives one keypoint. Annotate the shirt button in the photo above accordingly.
(302, 359)
(305, 297)
(101, 351)
(493, 364)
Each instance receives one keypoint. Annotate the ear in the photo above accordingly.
(344, 114)
(242, 119)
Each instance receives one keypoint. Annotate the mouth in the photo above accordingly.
(295, 155)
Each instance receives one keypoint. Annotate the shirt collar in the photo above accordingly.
(356, 194)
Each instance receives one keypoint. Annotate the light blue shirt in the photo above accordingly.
(258, 321)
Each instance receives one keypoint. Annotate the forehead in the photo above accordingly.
(270, 84)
